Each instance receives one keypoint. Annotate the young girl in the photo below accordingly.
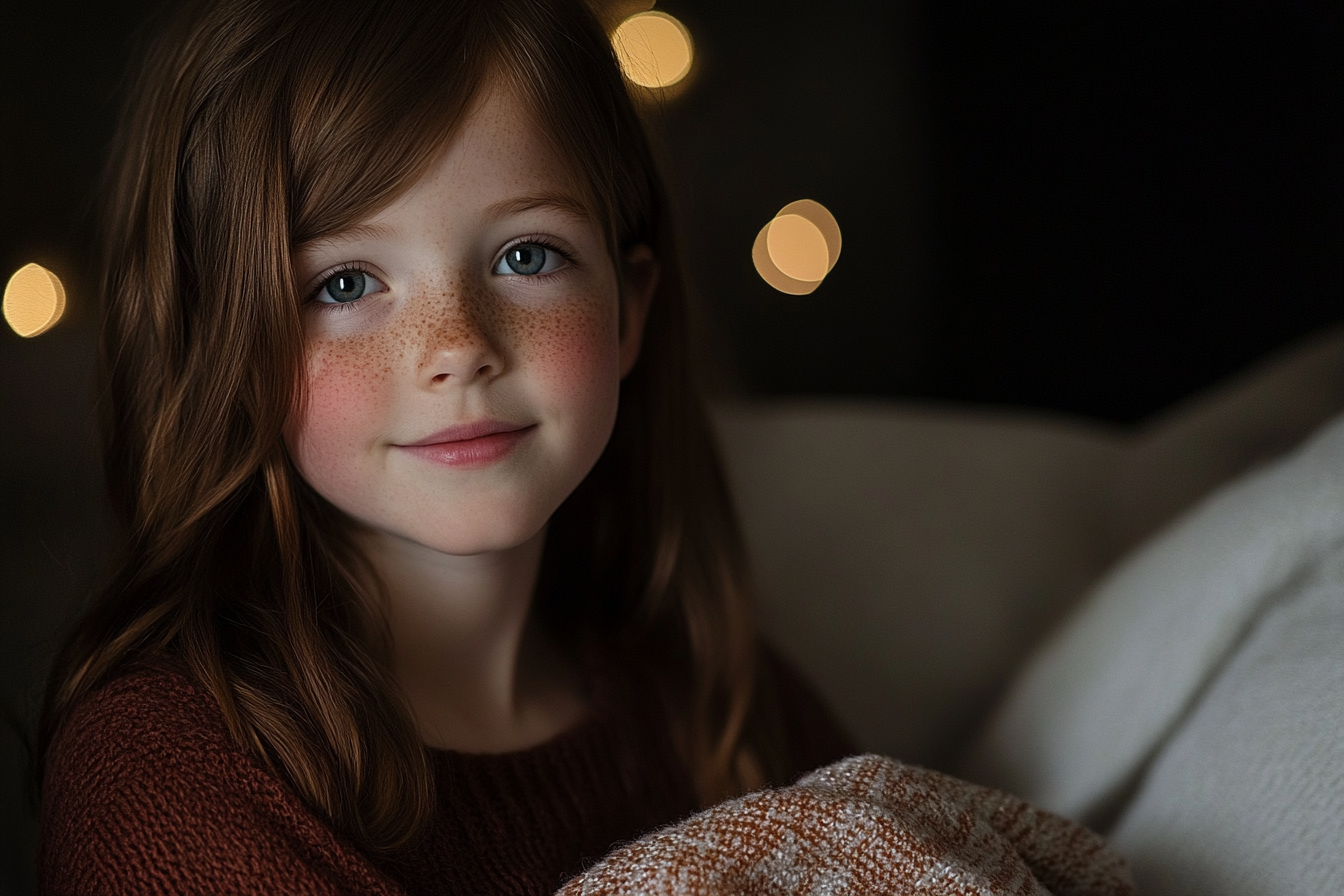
(430, 578)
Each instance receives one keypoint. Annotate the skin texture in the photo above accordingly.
(447, 334)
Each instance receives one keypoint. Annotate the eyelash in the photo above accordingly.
(325, 277)
(326, 307)
(545, 243)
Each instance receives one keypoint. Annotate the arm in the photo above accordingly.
(146, 793)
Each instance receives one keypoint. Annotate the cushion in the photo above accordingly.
(1195, 700)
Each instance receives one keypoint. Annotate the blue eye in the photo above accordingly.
(344, 287)
(528, 259)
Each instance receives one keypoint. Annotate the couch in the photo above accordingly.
(1051, 606)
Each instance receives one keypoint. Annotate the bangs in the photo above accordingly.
(375, 92)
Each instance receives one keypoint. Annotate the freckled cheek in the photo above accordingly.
(342, 416)
(575, 351)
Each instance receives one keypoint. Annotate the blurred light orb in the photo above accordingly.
(797, 249)
(654, 49)
(34, 300)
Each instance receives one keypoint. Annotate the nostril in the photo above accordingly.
(461, 362)
(485, 370)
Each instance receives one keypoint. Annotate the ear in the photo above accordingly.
(639, 281)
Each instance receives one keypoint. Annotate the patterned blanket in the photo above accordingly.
(866, 825)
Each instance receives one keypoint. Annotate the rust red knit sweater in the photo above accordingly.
(146, 793)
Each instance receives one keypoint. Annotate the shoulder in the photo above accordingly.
(149, 720)
(146, 792)
(813, 736)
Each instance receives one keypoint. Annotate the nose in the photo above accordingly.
(460, 347)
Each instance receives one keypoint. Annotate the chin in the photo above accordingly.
(475, 532)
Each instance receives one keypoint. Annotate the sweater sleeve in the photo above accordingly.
(146, 793)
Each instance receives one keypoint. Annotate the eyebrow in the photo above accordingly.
(562, 202)
(345, 234)
(516, 205)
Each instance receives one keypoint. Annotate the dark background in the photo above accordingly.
(1093, 208)
(1090, 208)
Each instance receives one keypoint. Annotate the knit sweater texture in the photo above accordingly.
(147, 793)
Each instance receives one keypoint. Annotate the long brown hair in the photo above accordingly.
(257, 126)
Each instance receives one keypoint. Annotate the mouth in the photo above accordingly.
(470, 444)
(466, 432)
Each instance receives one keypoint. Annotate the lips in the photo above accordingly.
(469, 444)
(464, 432)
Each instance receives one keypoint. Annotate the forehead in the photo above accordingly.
(498, 161)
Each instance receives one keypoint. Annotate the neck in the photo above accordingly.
(479, 674)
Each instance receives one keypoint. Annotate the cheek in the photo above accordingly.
(342, 392)
(572, 356)
(575, 352)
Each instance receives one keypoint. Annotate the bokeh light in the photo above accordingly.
(654, 49)
(34, 300)
(797, 249)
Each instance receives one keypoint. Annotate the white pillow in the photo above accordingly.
(1145, 705)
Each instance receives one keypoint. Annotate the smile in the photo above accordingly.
(469, 444)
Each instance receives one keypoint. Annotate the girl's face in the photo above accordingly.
(464, 346)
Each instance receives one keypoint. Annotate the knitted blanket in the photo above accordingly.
(865, 826)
